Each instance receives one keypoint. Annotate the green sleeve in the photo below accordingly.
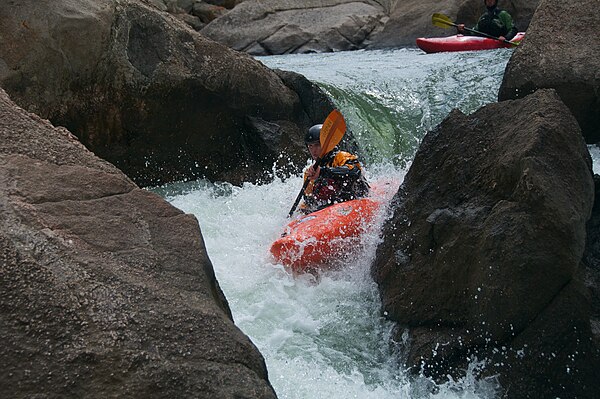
(506, 20)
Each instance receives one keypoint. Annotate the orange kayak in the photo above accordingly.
(314, 240)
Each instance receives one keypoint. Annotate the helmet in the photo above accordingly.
(313, 134)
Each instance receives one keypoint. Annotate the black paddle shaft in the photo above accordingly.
(301, 193)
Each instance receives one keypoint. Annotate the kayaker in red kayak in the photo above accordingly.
(495, 22)
(340, 179)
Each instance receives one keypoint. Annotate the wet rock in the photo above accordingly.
(145, 92)
(482, 255)
(106, 290)
(591, 261)
(207, 12)
(561, 51)
(279, 27)
(283, 27)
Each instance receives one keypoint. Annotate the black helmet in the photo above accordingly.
(313, 134)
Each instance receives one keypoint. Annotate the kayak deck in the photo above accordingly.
(323, 239)
(320, 237)
(463, 43)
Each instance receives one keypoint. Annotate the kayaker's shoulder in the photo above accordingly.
(341, 157)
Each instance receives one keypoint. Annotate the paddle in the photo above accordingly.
(444, 21)
(331, 134)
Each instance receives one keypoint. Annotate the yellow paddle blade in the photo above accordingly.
(442, 20)
(332, 131)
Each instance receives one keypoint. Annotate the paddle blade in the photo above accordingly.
(334, 128)
(442, 20)
(332, 132)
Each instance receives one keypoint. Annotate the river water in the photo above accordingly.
(327, 339)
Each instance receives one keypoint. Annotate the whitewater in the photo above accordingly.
(326, 338)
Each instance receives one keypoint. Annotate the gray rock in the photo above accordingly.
(106, 289)
(561, 51)
(207, 12)
(490, 223)
(282, 27)
(143, 91)
(229, 4)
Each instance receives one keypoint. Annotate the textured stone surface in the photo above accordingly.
(106, 290)
(484, 247)
(148, 94)
(562, 52)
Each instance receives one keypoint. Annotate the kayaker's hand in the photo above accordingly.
(313, 173)
(502, 38)
(460, 28)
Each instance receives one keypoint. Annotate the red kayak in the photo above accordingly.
(463, 43)
(313, 242)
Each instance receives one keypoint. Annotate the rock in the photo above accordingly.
(482, 254)
(229, 4)
(316, 103)
(591, 261)
(283, 27)
(141, 90)
(207, 12)
(193, 21)
(561, 51)
(341, 25)
(106, 289)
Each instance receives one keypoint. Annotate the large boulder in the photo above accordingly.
(106, 289)
(282, 27)
(482, 255)
(268, 27)
(561, 51)
(145, 92)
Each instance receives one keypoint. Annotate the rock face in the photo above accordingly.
(280, 27)
(482, 254)
(106, 290)
(591, 261)
(148, 94)
(562, 51)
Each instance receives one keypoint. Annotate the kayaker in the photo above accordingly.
(495, 22)
(339, 179)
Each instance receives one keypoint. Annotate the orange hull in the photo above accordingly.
(318, 238)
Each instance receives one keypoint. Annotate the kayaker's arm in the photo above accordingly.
(508, 23)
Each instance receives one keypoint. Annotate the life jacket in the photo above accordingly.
(492, 24)
(341, 179)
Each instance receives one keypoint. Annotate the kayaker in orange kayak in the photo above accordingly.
(495, 22)
(339, 179)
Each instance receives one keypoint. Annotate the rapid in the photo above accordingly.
(326, 338)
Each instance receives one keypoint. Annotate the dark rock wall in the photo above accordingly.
(106, 290)
(146, 93)
(561, 51)
(484, 247)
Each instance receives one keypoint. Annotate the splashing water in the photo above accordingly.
(327, 338)
(324, 339)
(595, 153)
